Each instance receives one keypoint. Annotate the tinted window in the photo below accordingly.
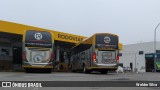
(140, 52)
(147, 56)
(108, 41)
(38, 39)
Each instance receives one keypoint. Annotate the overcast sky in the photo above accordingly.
(133, 20)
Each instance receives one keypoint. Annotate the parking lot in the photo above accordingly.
(68, 76)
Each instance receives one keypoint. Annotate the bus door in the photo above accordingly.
(149, 58)
(149, 65)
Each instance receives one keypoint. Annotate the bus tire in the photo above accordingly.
(49, 70)
(27, 70)
(72, 70)
(104, 72)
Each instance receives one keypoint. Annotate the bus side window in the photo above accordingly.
(83, 56)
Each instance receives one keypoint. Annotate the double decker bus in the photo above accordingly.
(38, 51)
(100, 53)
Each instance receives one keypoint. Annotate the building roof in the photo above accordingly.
(15, 28)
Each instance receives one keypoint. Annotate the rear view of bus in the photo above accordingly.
(37, 51)
(100, 52)
(106, 53)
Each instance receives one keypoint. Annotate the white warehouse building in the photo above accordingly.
(133, 55)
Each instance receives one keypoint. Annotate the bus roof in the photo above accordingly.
(84, 40)
(105, 33)
(92, 38)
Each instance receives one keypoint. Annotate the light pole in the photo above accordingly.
(155, 45)
(155, 37)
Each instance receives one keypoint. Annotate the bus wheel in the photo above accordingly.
(72, 70)
(104, 72)
(49, 70)
(27, 70)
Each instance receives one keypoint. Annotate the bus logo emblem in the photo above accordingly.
(107, 39)
(38, 36)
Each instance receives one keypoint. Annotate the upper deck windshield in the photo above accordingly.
(107, 41)
(38, 39)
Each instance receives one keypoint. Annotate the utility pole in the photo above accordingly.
(155, 45)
